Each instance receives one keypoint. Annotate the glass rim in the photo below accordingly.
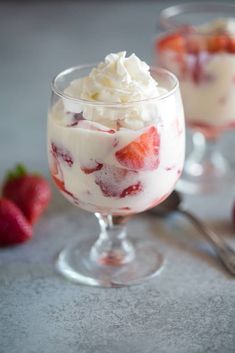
(63, 95)
(169, 13)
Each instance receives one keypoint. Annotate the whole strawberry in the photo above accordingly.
(30, 192)
(14, 227)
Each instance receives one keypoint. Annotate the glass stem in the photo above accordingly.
(112, 247)
(205, 158)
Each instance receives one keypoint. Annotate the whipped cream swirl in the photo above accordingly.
(118, 79)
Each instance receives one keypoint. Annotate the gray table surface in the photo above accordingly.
(189, 308)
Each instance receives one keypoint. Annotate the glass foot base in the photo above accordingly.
(75, 263)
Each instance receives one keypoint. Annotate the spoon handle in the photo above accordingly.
(226, 254)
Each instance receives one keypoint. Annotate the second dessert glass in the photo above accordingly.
(114, 173)
(203, 58)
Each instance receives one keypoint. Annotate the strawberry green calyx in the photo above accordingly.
(18, 172)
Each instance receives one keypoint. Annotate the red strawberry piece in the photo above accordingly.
(117, 182)
(132, 190)
(60, 185)
(174, 42)
(231, 45)
(109, 179)
(217, 43)
(58, 182)
(57, 175)
(142, 153)
(62, 153)
(108, 189)
(196, 44)
(14, 227)
(91, 169)
(31, 193)
(55, 167)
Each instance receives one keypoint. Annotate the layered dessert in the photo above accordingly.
(115, 146)
(203, 58)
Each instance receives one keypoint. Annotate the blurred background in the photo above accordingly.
(40, 38)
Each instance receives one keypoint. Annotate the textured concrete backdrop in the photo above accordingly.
(189, 308)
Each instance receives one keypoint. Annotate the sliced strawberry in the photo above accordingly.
(174, 42)
(57, 174)
(231, 45)
(109, 179)
(91, 169)
(55, 167)
(14, 227)
(116, 182)
(142, 153)
(196, 44)
(31, 193)
(65, 155)
(59, 183)
(217, 43)
(132, 190)
(108, 189)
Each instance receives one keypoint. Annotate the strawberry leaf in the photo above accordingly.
(16, 173)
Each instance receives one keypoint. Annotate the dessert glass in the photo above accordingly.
(114, 173)
(204, 63)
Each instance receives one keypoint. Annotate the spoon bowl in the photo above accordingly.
(174, 204)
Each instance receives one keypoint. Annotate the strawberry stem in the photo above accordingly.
(16, 173)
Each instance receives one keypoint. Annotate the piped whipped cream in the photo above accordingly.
(118, 79)
(220, 25)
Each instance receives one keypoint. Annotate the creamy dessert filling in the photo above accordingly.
(109, 153)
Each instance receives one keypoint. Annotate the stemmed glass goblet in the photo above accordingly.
(114, 173)
(203, 59)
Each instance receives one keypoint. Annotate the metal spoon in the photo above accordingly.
(224, 251)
